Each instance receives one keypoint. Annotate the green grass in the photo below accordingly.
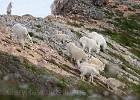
(39, 37)
(31, 34)
(16, 59)
(92, 29)
(34, 42)
(119, 13)
(127, 82)
(31, 55)
(62, 83)
(136, 89)
(18, 50)
(86, 87)
(28, 47)
(126, 63)
(38, 26)
(10, 61)
(131, 9)
(109, 14)
(114, 6)
(64, 67)
(75, 24)
(32, 68)
(123, 38)
(135, 17)
(127, 24)
(77, 33)
(35, 36)
(111, 46)
(135, 51)
(70, 59)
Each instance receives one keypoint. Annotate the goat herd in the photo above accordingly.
(91, 66)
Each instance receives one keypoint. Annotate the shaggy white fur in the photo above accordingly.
(21, 34)
(99, 39)
(89, 43)
(76, 52)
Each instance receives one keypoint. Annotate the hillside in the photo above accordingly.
(44, 71)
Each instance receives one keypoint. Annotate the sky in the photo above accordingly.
(37, 8)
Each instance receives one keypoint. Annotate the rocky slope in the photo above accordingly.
(43, 67)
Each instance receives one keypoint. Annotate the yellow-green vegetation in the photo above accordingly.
(18, 50)
(16, 59)
(31, 55)
(126, 63)
(28, 47)
(39, 37)
(31, 34)
(125, 38)
(14, 63)
(119, 13)
(34, 42)
(135, 16)
(92, 29)
(110, 14)
(64, 66)
(136, 89)
(30, 67)
(111, 46)
(62, 83)
(38, 26)
(75, 24)
(77, 33)
(35, 36)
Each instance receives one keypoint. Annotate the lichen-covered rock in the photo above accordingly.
(100, 2)
(78, 8)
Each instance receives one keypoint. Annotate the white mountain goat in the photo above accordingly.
(99, 39)
(96, 61)
(21, 34)
(62, 37)
(114, 84)
(76, 52)
(88, 70)
(89, 43)
(9, 8)
(97, 67)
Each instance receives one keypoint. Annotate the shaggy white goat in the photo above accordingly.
(62, 37)
(88, 70)
(76, 52)
(21, 34)
(96, 61)
(99, 39)
(97, 67)
(9, 8)
(114, 84)
(89, 43)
